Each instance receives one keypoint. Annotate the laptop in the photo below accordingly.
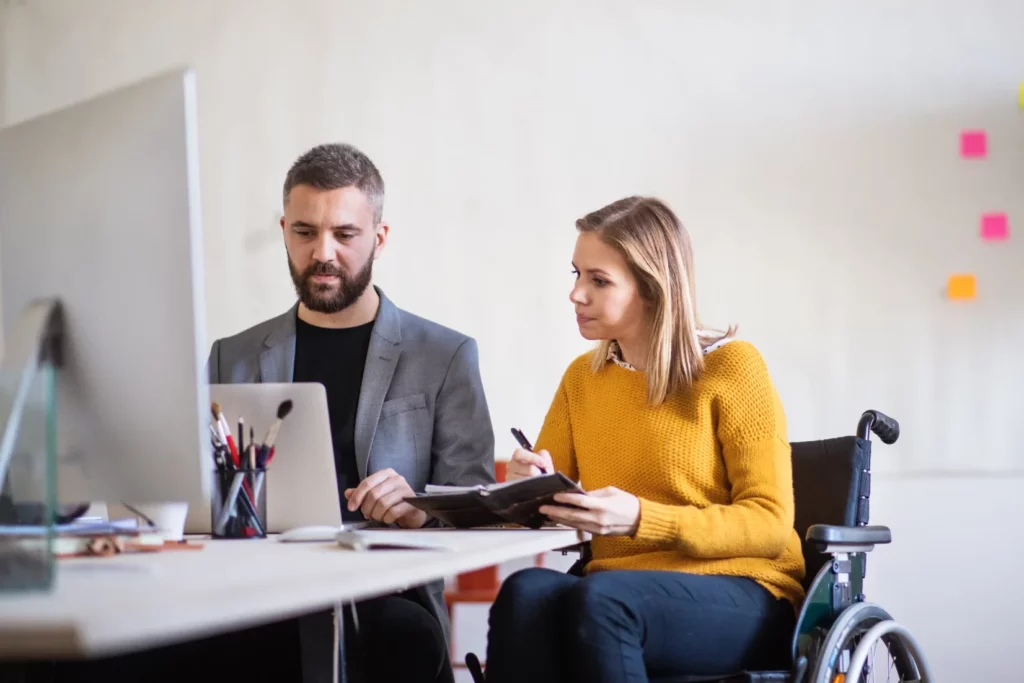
(302, 486)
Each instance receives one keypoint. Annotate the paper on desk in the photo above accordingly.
(74, 528)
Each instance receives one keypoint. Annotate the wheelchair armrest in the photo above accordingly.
(832, 538)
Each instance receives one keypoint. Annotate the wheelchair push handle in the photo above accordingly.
(887, 429)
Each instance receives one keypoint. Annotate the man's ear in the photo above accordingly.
(381, 237)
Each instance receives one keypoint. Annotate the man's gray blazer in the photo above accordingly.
(421, 411)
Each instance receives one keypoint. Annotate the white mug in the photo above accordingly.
(168, 518)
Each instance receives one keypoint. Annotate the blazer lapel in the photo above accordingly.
(277, 359)
(381, 360)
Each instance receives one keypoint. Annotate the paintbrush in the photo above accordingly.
(275, 427)
(226, 431)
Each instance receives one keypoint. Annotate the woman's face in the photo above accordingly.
(606, 295)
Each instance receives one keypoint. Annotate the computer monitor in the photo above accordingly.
(99, 207)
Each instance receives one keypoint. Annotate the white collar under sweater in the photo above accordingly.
(615, 354)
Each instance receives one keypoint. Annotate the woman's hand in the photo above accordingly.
(526, 464)
(604, 512)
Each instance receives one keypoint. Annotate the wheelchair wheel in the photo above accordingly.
(836, 651)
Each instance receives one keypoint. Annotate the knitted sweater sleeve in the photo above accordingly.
(556, 435)
(751, 431)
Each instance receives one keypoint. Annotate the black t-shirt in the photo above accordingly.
(335, 358)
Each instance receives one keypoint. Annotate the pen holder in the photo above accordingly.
(239, 505)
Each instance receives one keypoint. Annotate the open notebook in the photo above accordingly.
(512, 502)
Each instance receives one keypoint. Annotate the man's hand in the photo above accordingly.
(380, 495)
(605, 512)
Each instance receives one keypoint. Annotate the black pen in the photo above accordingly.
(525, 443)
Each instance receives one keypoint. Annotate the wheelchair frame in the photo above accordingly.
(835, 603)
(835, 611)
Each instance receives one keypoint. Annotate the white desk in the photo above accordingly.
(107, 606)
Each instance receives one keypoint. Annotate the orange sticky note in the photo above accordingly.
(962, 286)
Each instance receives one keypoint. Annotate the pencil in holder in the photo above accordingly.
(239, 504)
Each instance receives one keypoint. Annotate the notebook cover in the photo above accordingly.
(460, 510)
(520, 501)
(517, 502)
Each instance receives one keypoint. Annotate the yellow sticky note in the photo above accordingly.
(1022, 95)
(962, 286)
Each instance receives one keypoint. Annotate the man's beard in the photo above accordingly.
(325, 298)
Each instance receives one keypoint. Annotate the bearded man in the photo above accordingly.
(405, 396)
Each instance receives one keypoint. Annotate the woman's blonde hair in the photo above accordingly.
(657, 250)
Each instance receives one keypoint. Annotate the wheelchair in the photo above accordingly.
(837, 629)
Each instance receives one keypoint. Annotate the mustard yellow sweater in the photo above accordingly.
(711, 467)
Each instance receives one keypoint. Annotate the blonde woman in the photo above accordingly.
(679, 438)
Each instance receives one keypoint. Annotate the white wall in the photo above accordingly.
(805, 145)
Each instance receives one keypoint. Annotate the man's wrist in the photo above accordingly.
(415, 520)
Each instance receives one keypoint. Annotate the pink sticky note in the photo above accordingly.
(973, 144)
(995, 227)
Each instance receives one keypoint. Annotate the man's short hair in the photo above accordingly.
(333, 166)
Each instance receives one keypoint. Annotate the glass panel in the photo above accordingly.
(28, 495)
